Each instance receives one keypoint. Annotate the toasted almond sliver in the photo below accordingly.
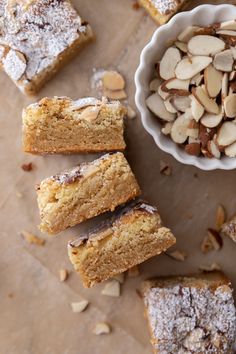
(63, 274)
(205, 45)
(224, 61)
(113, 81)
(168, 63)
(228, 25)
(101, 328)
(115, 95)
(210, 105)
(157, 106)
(31, 238)
(197, 109)
(213, 149)
(154, 84)
(187, 33)
(210, 268)
(169, 106)
(166, 129)
(211, 120)
(227, 33)
(112, 288)
(220, 216)
(131, 114)
(90, 114)
(181, 103)
(213, 80)
(178, 255)
(79, 306)
(230, 106)
(181, 46)
(175, 84)
(179, 129)
(226, 134)
(187, 68)
(230, 150)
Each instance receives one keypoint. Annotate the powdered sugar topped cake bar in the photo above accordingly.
(37, 38)
(162, 10)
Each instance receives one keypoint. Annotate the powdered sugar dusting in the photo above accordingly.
(40, 31)
(191, 319)
(165, 6)
(14, 65)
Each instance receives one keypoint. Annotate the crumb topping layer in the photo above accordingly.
(191, 320)
(33, 34)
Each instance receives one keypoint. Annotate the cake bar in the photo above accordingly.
(162, 10)
(191, 314)
(133, 235)
(60, 125)
(37, 37)
(85, 191)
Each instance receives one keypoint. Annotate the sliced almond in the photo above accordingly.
(113, 81)
(193, 129)
(197, 109)
(169, 106)
(168, 63)
(31, 238)
(228, 25)
(230, 150)
(154, 84)
(212, 241)
(213, 149)
(226, 33)
(179, 129)
(131, 114)
(181, 46)
(178, 255)
(112, 288)
(232, 75)
(211, 120)
(101, 328)
(157, 106)
(210, 268)
(193, 149)
(220, 216)
(230, 106)
(197, 80)
(205, 45)
(164, 95)
(181, 103)
(166, 129)
(84, 102)
(209, 104)
(187, 33)
(173, 85)
(63, 274)
(226, 134)
(90, 113)
(115, 95)
(187, 68)
(79, 306)
(213, 80)
(205, 134)
(225, 86)
(224, 61)
(233, 51)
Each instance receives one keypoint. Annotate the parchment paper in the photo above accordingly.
(36, 317)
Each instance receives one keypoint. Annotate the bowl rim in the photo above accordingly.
(204, 163)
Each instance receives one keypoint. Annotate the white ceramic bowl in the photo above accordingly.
(203, 15)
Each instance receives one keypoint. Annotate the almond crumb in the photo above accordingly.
(133, 272)
(102, 328)
(19, 195)
(210, 268)
(178, 255)
(63, 274)
(212, 241)
(31, 238)
(165, 168)
(112, 80)
(79, 306)
(112, 288)
(27, 167)
(220, 216)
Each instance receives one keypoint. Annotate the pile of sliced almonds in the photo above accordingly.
(194, 91)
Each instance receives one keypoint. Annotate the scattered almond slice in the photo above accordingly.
(187, 68)
(101, 328)
(80, 306)
(31, 238)
(181, 46)
(113, 81)
(213, 80)
(197, 109)
(225, 86)
(179, 129)
(165, 168)
(193, 129)
(154, 84)
(133, 272)
(230, 150)
(213, 149)
(205, 45)
(220, 217)
(228, 25)
(210, 268)
(157, 106)
(224, 61)
(230, 106)
(169, 106)
(111, 288)
(175, 85)
(210, 105)
(115, 95)
(187, 33)
(131, 114)
(232, 75)
(226, 33)
(233, 51)
(211, 120)
(166, 129)
(197, 80)
(168, 63)
(212, 241)
(226, 134)
(181, 103)
(90, 113)
(164, 95)
(178, 255)
(63, 275)
(120, 277)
